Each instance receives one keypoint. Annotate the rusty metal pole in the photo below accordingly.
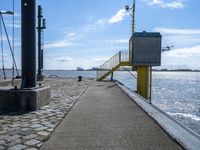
(28, 43)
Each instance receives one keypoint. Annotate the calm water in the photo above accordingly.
(177, 93)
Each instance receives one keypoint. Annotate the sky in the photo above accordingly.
(85, 33)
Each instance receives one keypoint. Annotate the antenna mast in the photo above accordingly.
(133, 17)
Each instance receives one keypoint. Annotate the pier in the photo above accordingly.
(106, 118)
(50, 112)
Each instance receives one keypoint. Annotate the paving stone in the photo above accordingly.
(43, 133)
(51, 125)
(25, 128)
(12, 138)
(42, 138)
(45, 122)
(36, 126)
(18, 147)
(25, 133)
(2, 132)
(32, 136)
(50, 129)
(17, 141)
(33, 120)
(2, 142)
(13, 129)
(14, 125)
(39, 145)
(2, 137)
(41, 128)
(32, 142)
(32, 149)
(25, 125)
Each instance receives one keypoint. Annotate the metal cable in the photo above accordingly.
(13, 40)
(11, 50)
(130, 73)
(2, 50)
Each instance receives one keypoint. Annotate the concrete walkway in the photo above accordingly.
(105, 118)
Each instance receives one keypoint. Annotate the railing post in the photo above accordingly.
(120, 57)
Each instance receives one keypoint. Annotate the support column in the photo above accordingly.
(39, 43)
(143, 81)
(28, 43)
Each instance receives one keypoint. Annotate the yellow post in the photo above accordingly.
(143, 81)
(143, 73)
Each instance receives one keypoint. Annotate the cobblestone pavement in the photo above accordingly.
(29, 131)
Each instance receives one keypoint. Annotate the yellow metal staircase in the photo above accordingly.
(111, 65)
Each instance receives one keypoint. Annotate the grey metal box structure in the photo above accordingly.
(145, 49)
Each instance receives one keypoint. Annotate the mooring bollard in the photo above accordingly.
(79, 78)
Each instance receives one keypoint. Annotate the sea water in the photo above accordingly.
(176, 93)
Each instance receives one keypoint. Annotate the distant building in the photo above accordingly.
(79, 69)
(94, 69)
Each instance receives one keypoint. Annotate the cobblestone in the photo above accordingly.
(32, 136)
(18, 147)
(32, 142)
(2, 147)
(31, 149)
(2, 142)
(43, 133)
(29, 131)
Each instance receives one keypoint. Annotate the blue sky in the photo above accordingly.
(86, 33)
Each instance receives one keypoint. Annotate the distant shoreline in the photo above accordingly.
(179, 70)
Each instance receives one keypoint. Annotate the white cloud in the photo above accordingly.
(90, 28)
(101, 21)
(117, 41)
(119, 16)
(182, 58)
(68, 63)
(121, 41)
(58, 44)
(179, 37)
(177, 31)
(100, 59)
(63, 59)
(172, 4)
(16, 25)
(70, 35)
(185, 52)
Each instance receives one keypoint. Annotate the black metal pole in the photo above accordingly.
(28, 44)
(39, 75)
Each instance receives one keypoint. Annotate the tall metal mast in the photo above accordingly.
(40, 28)
(133, 17)
(28, 44)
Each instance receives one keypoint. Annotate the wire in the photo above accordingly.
(13, 40)
(11, 50)
(130, 73)
(2, 50)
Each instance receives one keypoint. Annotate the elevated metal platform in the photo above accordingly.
(113, 64)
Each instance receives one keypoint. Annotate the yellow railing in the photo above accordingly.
(114, 63)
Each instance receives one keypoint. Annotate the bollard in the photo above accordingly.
(79, 78)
